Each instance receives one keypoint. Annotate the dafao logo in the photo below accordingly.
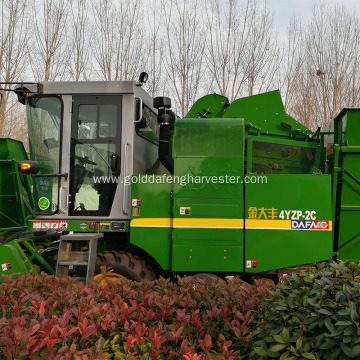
(310, 225)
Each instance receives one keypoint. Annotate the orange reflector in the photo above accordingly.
(25, 166)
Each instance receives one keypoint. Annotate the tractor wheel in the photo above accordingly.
(209, 277)
(125, 265)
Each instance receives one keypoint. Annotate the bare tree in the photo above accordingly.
(225, 46)
(16, 126)
(292, 60)
(49, 52)
(12, 43)
(297, 87)
(155, 49)
(333, 48)
(261, 47)
(185, 50)
(105, 44)
(79, 49)
(119, 39)
(242, 53)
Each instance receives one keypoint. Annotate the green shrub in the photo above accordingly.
(314, 315)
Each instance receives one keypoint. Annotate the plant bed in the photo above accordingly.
(48, 318)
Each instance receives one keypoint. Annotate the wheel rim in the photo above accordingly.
(209, 276)
(108, 277)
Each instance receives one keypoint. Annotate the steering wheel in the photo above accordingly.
(85, 160)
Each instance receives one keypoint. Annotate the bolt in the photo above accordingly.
(224, 257)
(189, 257)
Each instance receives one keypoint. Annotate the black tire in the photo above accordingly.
(125, 264)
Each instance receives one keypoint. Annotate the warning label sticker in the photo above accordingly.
(54, 226)
(93, 225)
(104, 226)
(47, 225)
(37, 225)
(6, 266)
(251, 264)
(185, 210)
(63, 226)
(136, 202)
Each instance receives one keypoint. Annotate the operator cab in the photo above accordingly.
(89, 138)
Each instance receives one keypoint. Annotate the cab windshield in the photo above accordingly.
(44, 126)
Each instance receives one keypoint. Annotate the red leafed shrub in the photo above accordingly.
(48, 318)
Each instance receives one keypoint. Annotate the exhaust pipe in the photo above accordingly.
(166, 121)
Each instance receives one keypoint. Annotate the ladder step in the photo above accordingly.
(81, 237)
(76, 262)
(67, 256)
(73, 256)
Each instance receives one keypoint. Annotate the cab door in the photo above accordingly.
(95, 156)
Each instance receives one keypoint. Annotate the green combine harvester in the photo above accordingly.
(114, 178)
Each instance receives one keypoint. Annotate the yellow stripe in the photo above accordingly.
(215, 223)
(265, 224)
(155, 222)
(183, 222)
(208, 223)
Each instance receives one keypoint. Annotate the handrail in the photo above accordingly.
(124, 209)
(140, 111)
(60, 200)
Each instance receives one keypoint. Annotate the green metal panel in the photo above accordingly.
(349, 229)
(208, 209)
(210, 237)
(20, 255)
(352, 128)
(207, 148)
(200, 256)
(347, 184)
(16, 200)
(349, 236)
(275, 155)
(209, 106)
(208, 138)
(264, 113)
(150, 230)
(11, 213)
(11, 260)
(12, 150)
(288, 221)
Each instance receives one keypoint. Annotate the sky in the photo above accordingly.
(285, 9)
